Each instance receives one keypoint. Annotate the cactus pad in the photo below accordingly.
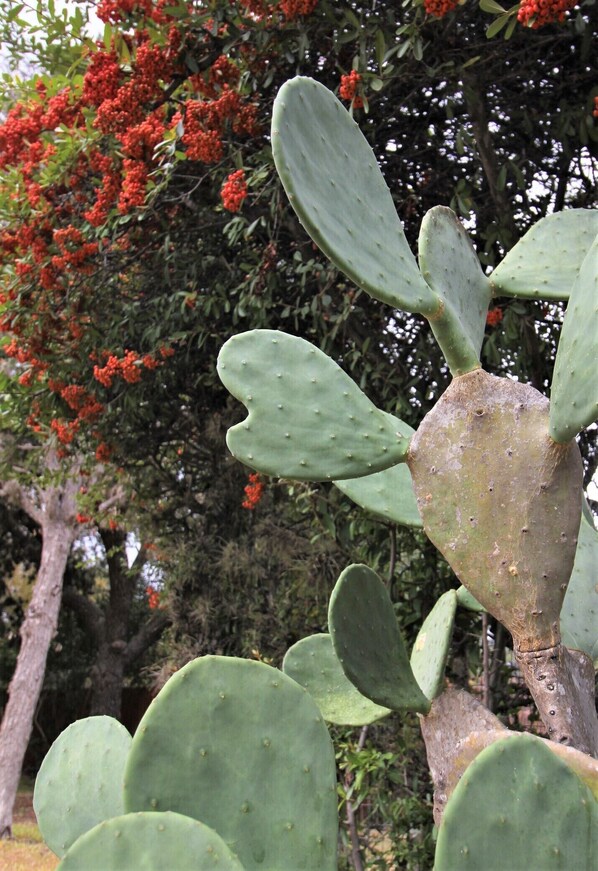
(80, 781)
(545, 262)
(574, 392)
(519, 804)
(388, 494)
(500, 500)
(451, 267)
(312, 663)
(335, 185)
(368, 642)
(307, 419)
(241, 747)
(579, 614)
(466, 600)
(150, 842)
(431, 648)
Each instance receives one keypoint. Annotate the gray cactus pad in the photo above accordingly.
(243, 748)
(80, 780)
(312, 662)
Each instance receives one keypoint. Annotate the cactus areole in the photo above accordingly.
(500, 500)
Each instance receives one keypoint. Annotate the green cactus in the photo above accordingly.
(368, 642)
(80, 780)
(313, 663)
(506, 519)
(307, 419)
(579, 614)
(150, 842)
(545, 262)
(354, 222)
(387, 494)
(495, 477)
(574, 393)
(451, 267)
(503, 813)
(466, 600)
(241, 747)
(431, 648)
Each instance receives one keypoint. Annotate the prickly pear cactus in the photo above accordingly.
(495, 468)
(243, 748)
(150, 842)
(503, 813)
(80, 780)
(501, 500)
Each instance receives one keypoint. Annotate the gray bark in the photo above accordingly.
(55, 511)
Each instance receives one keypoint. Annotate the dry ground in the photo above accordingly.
(26, 852)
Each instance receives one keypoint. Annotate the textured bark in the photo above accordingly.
(561, 682)
(454, 715)
(54, 510)
(459, 727)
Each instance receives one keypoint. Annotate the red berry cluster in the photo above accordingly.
(253, 491)
(494, 317)
(440, 8)
(153, 598)
(537, 13)
(234, 191)
(348, 88)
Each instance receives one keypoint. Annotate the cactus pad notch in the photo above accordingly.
(307, 420)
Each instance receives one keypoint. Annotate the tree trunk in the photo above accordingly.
(110, 627)
(37, 631)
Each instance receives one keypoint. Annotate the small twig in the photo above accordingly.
(485, 662)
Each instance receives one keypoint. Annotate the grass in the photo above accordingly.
(26, 850)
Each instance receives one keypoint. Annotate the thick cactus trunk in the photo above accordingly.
(502, 502)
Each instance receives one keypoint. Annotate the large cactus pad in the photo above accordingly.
(335, 185)
(243, 748)
(80, 780)
(520, 807)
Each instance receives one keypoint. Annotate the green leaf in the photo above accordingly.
(492, 7)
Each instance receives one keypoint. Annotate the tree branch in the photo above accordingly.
(149, 633)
